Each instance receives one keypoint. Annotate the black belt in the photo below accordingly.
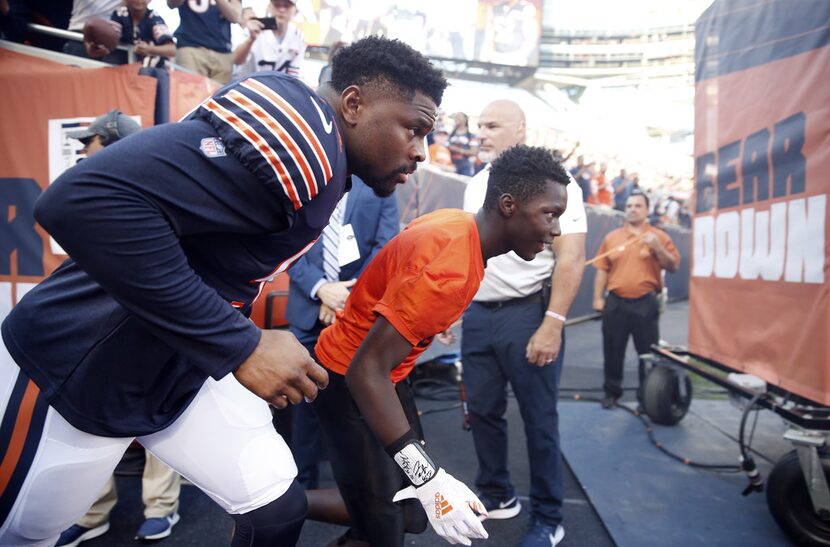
(497, 304)
(648, 294)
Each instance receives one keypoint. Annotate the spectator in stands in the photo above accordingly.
(319, 287)
(203, 39)
(604, 192)
(439, 153)
(463, 145)
(684, 215)
(621, 187)
(635, 185)
(83, 11)
(281, 48)
(631, 273)
(160, 485)
(144, 29)
(582, 175)
(672, 210)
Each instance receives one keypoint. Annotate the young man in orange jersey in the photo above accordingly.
(415, 288)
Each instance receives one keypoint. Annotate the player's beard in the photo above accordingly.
(386, 186)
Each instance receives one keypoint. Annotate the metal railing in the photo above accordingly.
(78, 37)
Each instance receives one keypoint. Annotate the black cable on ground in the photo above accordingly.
(714, 467)
(436, 390)
(442, 390)
(442, 409)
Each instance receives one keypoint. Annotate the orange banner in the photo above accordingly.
(42, 100)
(759, 283)
(187, 91)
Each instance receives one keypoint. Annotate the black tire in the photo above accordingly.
(662, 400)
(789, 501)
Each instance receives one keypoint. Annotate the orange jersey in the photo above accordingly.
(633, 270)
(421, 282)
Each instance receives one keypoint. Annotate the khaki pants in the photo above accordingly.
(160, 487)
(207, 62)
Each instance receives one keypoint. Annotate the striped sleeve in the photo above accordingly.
(280, 130)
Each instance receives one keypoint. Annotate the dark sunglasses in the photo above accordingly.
(86, 140)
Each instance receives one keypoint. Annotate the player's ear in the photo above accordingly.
(351, 103)
(507, 205)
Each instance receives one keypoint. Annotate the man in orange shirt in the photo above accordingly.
(631, 272)
(416, 287)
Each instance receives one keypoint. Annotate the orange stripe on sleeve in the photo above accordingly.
(298, 121)
(19, 434)
(259, 143)
(285, 139)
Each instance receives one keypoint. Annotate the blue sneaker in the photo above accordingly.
(540, 534)
(76, 534)
(500, 509)
(157, 528)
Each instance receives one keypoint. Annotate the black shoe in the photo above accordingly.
(500, 509)
(609, 402)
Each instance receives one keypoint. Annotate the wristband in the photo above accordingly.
(556, 315)
(408, 452)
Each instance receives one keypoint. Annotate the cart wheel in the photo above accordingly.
(663, 399)
(790, 504)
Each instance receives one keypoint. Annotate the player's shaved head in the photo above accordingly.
(501, 126)
(505, 109)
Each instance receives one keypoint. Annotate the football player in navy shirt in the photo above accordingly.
(172, 234)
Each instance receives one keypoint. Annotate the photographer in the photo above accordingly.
(273, 43)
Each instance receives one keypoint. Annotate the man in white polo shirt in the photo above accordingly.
(513, 332)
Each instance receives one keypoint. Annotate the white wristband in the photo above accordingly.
(556, 315)
(416, 463)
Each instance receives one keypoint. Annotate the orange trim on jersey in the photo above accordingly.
(259, 143)
(285, 139)
(284, 265)
(289, 111)
(19, 434)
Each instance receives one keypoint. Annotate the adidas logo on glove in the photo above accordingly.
(442, 506)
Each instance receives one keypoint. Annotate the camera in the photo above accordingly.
(268, 23)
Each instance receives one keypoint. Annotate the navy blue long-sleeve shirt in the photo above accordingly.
(171, 234)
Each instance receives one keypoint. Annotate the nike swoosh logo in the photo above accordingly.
(504, 504)
(327, 125)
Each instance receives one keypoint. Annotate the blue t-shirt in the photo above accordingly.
(202, 25)
(172, 234)
(151, 28)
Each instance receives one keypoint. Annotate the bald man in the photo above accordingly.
(513, 333)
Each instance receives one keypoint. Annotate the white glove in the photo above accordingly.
(449, 505)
